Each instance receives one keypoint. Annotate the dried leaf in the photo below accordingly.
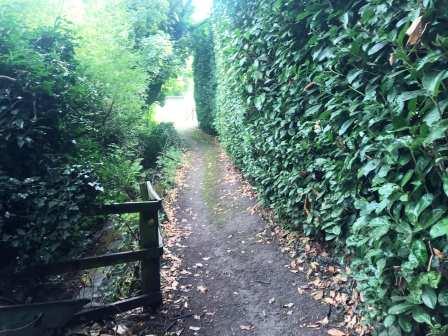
(202, 289)
(416, 30)
(309, 86)
(392, 59)
(318, 295)
(336, 332)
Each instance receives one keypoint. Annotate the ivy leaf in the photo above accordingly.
(429, 297)
(439, 229)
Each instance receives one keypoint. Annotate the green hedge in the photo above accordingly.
(340, 120)
(204, 76)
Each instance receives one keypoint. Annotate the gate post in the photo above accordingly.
(149, 239)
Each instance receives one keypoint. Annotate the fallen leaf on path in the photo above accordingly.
(318, 295)
(324, 321)
(336, 332)
(202, 289)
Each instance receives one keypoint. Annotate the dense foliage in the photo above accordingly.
(204, 74)
(337, 110)
(75, 113)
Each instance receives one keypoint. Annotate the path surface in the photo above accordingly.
(238, 284)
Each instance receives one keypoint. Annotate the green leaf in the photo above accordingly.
(352, 74)
(421, 316)
(429, 297)
(377, 47)
(387, 189)
(413, 210)
(393, 331)
(389, 320)
(400, 308)
(405, 96)
(259, 101)
(439, 229)
(443, 297)
(445, 183)
(435, 114)
(431, 279)
(405, 324)
(419, 251)
(406, 177)
(432, 80)
(437, 132)
(345, 126)
(368, 167)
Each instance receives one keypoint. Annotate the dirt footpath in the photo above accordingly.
(236, 283)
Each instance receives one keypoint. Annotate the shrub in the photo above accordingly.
(340, 117)
(155, 141)
(41, 216)
(41, 193)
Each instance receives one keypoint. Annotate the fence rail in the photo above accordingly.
(149, 254)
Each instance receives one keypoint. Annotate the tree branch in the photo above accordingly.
(8, 78)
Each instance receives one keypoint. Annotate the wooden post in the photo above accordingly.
(149, 238)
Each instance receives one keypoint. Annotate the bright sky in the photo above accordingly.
(202, 9)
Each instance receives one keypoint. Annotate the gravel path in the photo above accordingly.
(237, 283)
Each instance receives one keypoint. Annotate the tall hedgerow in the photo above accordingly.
(337, 110)
(204, 76)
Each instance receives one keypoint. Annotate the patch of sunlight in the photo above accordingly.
(180, 110)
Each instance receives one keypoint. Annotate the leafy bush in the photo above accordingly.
(204, 76)
(41, 194)
(155, 141)
(41, 216)
(340, 117)
(167, 164)
(73, 101)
